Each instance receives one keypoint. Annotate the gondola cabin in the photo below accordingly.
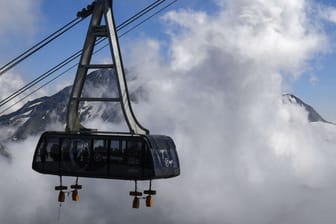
(106, 155)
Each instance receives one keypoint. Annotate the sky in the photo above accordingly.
(214, 73)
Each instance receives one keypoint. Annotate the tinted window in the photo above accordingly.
(99, 151)
(147, 157)
(47, 157)
(76, 154)
(116, 152)
(48, 151)
(134, 152)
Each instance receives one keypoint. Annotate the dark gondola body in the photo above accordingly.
(106, 155)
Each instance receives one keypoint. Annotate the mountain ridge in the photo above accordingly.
(313, 115)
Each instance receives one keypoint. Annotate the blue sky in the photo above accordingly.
(315, 86)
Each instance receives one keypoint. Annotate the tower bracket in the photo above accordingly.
(102, 10)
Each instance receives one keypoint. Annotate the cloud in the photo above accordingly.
(328, 13)
(313, 79)
(280, 34)
(245, 156)
(9, 84)
(19, 17)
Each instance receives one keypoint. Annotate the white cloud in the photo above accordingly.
(18, 22)
(9, 84)
(245, 155)
(313, 79)
(251, 30)
(328, 13)
(19, 17)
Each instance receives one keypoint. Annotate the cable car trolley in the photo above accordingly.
(81, 152)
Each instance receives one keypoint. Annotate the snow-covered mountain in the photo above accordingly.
(35, 116)
(313, 116)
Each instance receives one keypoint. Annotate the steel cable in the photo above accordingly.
(39, 45)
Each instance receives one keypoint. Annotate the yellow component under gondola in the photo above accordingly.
(136, 202)
(61, 196)
(149, 201)
(75, 195)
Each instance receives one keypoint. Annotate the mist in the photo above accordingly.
(245, 155)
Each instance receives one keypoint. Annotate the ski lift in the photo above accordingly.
(81, 152)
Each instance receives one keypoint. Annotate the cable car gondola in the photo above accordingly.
(82, 152)
(106, 155)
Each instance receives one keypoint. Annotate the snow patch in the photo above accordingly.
(35, 104)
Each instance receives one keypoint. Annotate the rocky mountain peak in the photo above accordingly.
(313, 116)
